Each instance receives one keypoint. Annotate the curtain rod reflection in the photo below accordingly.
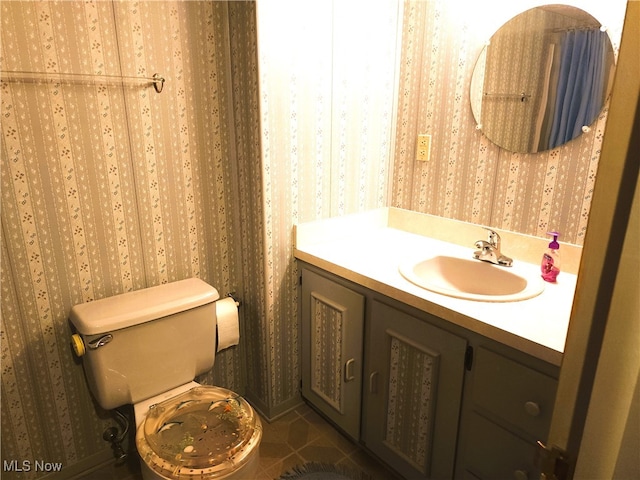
(602, 28)
(156, 80)
(521, 96)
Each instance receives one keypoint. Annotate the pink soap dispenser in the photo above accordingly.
(550, 266)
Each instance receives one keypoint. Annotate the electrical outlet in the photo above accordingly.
(423, 150)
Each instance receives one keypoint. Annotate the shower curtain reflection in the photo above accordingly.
(581, 84)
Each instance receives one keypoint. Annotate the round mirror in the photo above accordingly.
(542, 79)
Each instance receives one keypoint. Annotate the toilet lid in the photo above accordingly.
(204, 431)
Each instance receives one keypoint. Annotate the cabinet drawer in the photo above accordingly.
(493, 453)
(513, 392)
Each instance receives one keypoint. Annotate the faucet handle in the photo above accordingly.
(494, 238)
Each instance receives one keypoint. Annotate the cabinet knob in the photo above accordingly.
(532, 408)
(520, 475)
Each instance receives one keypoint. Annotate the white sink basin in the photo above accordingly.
(472, 279)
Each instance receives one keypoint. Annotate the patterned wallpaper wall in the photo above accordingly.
(107, 189)
(469, 178)
(327, 74)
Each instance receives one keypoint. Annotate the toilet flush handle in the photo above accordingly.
(100, 342)
(79, 347)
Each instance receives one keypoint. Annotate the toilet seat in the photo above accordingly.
(205, 432)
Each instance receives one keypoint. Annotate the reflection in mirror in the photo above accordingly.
(542, 79)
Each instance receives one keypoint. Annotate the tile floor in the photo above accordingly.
(304, 436)
(298, 437)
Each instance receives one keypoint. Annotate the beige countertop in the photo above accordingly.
(368, 248)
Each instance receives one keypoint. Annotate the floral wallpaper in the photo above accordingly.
(326, 109)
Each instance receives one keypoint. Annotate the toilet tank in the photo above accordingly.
(141, 344)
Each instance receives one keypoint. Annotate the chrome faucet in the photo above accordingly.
(489, 251)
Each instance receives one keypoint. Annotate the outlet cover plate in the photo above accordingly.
(423, 150)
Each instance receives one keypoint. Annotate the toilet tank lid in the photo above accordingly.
(133, 308)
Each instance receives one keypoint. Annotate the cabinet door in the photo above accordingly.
(415, 374)
(332, 332)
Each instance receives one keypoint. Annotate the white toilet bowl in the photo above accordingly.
(196, 431)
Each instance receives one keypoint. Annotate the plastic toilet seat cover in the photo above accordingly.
(204, 432)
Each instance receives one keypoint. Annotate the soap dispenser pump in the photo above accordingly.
(550, 266)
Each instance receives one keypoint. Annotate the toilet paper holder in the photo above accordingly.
(235, 299)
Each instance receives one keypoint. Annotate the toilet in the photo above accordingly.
(145, 348)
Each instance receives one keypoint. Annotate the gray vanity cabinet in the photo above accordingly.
(430, 399)
(332, 332)
(414, 373)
